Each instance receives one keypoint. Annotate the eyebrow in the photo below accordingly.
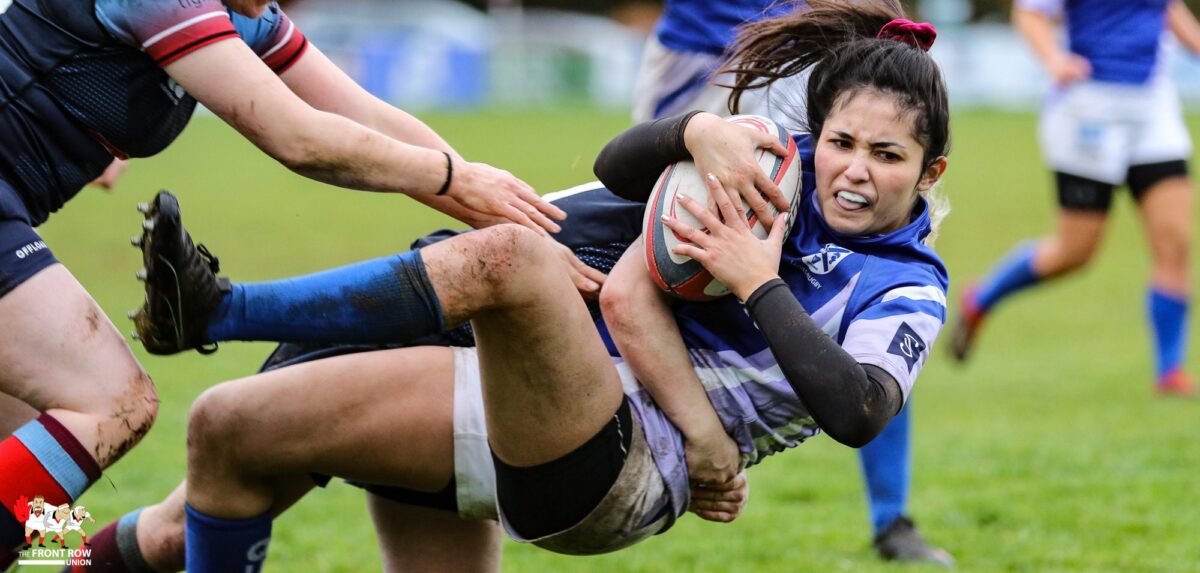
(874, 144)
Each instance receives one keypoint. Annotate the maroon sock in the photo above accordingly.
(114, 549)
(105, 556)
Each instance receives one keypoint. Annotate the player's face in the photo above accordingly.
(869, 166)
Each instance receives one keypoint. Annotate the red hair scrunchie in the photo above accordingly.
(920, 34)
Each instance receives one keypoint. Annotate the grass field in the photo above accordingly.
(1048, 452)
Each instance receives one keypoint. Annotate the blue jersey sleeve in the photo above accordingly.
(897, 324)
(273, 36)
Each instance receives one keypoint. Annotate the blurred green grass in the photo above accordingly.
(1048, 452)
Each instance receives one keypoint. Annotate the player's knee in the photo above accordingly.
(127, 417)
(213, 425)
(143, 401)
(1078, 256)
(1172, 247)
(514, 256)
(616, 298)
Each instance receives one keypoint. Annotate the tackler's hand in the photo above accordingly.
(587, 279)
(486, 189)
(112, 173)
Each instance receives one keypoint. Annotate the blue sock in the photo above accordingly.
(886, 468)
(1168, 320)
(226, 545)
(382, 300)
(1013, 273)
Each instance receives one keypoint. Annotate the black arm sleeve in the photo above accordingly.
(851, 402)
(631, 163)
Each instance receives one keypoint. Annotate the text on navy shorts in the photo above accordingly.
(23, 253)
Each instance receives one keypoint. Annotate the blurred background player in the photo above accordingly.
(677, 76)
(1113, 117)
(74, 76)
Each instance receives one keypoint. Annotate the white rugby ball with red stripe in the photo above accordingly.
(680, 275)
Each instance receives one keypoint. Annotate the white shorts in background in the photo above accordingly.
(670, 82)
(1099, 130)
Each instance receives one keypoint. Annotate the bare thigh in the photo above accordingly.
(549, 384)
(382, 417)
(1166, 211)
(59, 353)
(420, 539)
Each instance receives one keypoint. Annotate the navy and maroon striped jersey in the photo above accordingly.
(82, 82)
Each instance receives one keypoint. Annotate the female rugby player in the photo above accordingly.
(1112, 118)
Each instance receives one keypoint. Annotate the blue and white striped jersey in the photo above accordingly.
(882, 298)
(1121, 39)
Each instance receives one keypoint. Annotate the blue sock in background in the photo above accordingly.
(1168, 321)
(382, 300)
(217, 545)
(1013, 273)
(886, 468)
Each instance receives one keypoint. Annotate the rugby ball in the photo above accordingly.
(680, 275)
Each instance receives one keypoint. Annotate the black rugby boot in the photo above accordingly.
(182, 287)
(900, 541)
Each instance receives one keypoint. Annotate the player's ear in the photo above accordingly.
(932, 174)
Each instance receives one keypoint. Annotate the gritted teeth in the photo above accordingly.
(853, 197)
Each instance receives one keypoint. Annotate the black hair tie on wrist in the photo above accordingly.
(449, 174)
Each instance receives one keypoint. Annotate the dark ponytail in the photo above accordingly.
(837, 39)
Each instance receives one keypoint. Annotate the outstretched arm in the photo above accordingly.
(321, 84)
(644, 330)
(1184, 25)
(230, 80)
(1038, 27)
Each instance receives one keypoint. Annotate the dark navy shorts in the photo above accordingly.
(23, 253)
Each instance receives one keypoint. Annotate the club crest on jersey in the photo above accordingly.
(907, 345)
(824, 261)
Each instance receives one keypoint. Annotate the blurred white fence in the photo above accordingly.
(440, 54)
(425, 54)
